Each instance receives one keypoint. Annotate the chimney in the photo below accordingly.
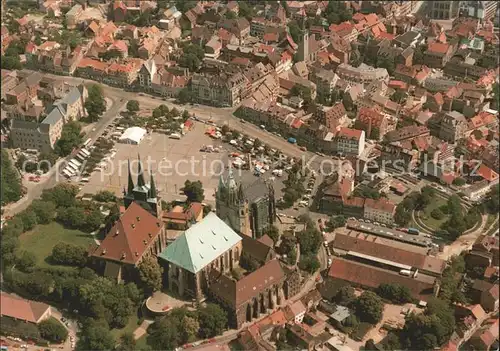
(123, 255)
(138, 219)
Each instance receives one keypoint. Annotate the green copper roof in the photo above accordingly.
(198, 246)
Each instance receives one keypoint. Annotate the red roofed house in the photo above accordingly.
(137, 234)
(181, 219)
(484, 338)
(438, 54)
(23, 310)
(380, 210)
(372, 122)
(346, 30)
(295, 312)
(120, 48)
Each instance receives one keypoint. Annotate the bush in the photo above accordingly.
(459, 181)
(437, 214)
(69, 254)
(52, 330)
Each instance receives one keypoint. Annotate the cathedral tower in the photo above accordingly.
(143, 194)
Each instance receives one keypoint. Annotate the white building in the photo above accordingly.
(133, 135)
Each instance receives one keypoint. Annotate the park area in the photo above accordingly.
(430, 215)
(44, 237)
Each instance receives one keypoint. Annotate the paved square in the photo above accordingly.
(171, 161)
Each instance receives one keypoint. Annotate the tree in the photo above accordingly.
(230, 15)
(418, 56)
(28, 217)
(133, 106)
(347, 101)
(105, 196)
(11, 62)
(437, 214)
(26, 261)
(44, 210)
(213, 320)
(185, 96)
(273, 233)
(189, 327)
(164, 334)
(492, 203)
(294, 30)
(95, 335)
(62, 195)
(399, 96)
(309, 263)
(336, 222)
(395, 293)
(52, 330)
(387, 63)
(127, 342)
(309, 241)
(345, 295)
(257, 143)
(245, 10)
(10, 189)
(194, 191)
(151, 274)
(369, 307)
(95, 104)
(70, 138)
(391, 342)
(69, 254)
(459, 181)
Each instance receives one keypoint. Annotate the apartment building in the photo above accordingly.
(220, 90)
(381, 210)
(443, 10)
(73, 15)
(438, 54)
(349, 141)
(362, 74)
(43, 136)
(325, 80)
(453, 126)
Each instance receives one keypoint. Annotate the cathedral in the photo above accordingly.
(143, 194)
(249, 211)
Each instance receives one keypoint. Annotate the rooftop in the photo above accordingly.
(201, 244)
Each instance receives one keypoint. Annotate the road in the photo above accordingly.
(36, 191)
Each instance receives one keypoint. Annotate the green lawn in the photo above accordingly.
(141, 343)
(130, 327)
(425, 215)
(43, 238)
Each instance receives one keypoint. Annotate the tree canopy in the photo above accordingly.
(151, 274)
(95, 104)
(52, 330)
(11, 189)
(369, 307)
(70, 138)
(194, 191)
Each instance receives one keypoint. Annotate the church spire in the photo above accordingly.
(152, 187)
(140, 177)
(130, 187)
(241, 194)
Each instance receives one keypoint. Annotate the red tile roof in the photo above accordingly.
(370, 115)
(21, 309)
(487, 173)
(371, 277)
(381, 205)
(372, 246)
(130, 237)
(349, 133)
(440, 48)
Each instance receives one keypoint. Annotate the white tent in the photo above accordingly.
(133, 135)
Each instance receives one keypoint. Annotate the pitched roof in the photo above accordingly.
(381, 205)
(238, 292)
(349, 133)
(440, 48)
(370, 245)
(372, 277)
(18, 308)
(255, 248)
(201, 244)
(131, 235)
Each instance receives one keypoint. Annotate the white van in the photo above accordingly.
(175, 136)
(84, 180)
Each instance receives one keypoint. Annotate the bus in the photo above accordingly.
(72, 166)
(67, 173)
(87, 142)
(86, 152)
(75, 162)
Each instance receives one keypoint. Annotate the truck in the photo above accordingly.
(413, 231)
